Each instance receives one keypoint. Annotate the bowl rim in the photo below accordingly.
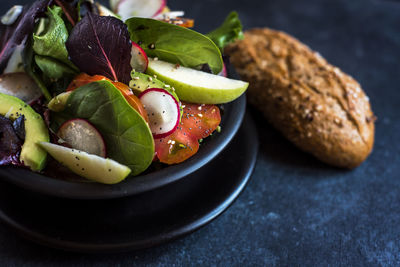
(232, 119)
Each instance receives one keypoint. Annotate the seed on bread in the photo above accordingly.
(314, 104)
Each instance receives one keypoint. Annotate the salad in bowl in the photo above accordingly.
(107, 93)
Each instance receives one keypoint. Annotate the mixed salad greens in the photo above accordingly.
(108, 93)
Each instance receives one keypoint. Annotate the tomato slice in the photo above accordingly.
(198, 121)
(201, 120)
(177, 147)
(84, 78)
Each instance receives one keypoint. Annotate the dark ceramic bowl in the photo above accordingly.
(232, 117)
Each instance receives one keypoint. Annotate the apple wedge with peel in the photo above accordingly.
(197, 86)
(92, 167)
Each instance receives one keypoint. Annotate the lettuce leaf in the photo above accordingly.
(45, 55)
(49, 47)
(228, 32)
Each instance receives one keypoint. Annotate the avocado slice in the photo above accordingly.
(58, 103)
(141, 82)
(32, 155)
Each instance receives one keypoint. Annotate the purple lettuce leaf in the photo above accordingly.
(101, 45)
(15, 34)
(10, 144)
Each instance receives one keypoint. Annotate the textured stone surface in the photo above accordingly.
(295, 210)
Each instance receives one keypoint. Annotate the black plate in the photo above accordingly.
(231, 120)
(139, 221)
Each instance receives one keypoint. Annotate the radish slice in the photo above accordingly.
(20, 85)
(140, 8)
(82, 135)
(139, 59)
(163, 111)
(223, 72)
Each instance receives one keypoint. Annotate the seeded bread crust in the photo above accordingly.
(314, 104)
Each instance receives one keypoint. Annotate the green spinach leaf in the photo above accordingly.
(175, 44)
(127, 135)
(50, 43)
(228, 32)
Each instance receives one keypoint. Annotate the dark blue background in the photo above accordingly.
(295, 210)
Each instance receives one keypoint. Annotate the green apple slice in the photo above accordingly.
(92, 167)
(197, 86)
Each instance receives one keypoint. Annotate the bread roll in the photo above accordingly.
(315, 105)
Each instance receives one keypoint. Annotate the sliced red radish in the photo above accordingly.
(163, 111)
(224, 72)
(140, 8)
(139, 59)
(20, 85)
(81, 135)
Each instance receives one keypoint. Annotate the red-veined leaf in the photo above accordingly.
(101, 46)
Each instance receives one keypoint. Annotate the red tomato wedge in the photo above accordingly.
(177, 147)
(198, 121)
(201, 120)
(84, 78)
